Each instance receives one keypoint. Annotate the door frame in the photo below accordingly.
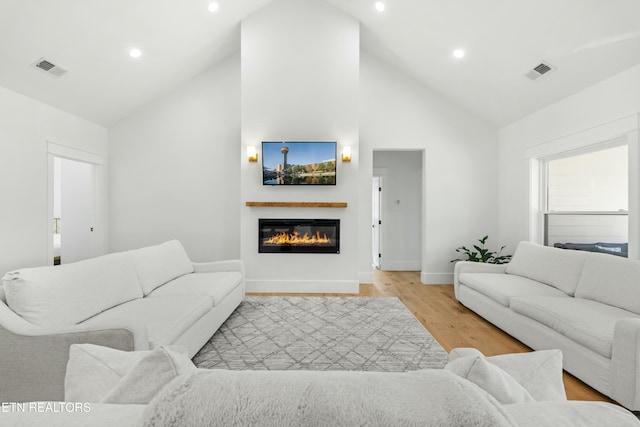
(55, 149)
(379, 174)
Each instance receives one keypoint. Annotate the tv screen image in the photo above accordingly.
(299, 163)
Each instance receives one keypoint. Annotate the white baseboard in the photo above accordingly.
(426, 278)
(401, 265)
(304, 286)
(365, 277)
(436, 278)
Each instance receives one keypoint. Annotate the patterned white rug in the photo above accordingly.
(322, 333)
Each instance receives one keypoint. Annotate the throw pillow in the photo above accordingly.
(459, 352)
(539, 372)
(93, 370)
(490, 378)
(149, 376)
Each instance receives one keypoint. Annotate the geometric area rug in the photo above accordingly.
(322, 333)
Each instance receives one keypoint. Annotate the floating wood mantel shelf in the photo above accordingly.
(298, 204)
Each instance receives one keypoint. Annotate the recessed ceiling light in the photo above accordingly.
(135, 53)
(213, 7)
(380, 6)
(458, 53)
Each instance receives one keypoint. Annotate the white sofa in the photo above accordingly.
(134, 300)
(106, 387)
(585, 304)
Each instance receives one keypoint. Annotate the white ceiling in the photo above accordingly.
(587, 40)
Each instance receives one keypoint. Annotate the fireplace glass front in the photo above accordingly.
(316, 236)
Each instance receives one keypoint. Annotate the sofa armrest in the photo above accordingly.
(625, 363)
(474, 267)
(219, 266)
(33, 359)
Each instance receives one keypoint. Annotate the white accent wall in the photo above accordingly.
(590, 112)
(174, 170)
(178, 168)
(460, 176)
(26, 126)
(300, 77)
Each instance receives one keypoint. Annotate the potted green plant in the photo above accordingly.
(482, 254)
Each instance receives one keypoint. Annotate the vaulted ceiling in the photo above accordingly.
(585, 40)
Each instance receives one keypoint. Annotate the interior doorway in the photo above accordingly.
(397, 210)
(74, 210)
(75, 205)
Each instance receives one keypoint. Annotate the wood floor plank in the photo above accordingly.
(450, 323)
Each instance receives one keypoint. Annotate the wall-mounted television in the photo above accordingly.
(299, 163)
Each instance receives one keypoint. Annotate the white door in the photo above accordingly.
(77, 207)
(376, 221)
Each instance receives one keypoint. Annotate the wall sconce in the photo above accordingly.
(346, 154)
(252, 154)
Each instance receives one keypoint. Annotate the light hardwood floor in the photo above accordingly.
(450, 323)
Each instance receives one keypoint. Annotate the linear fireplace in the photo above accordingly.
(316, 236)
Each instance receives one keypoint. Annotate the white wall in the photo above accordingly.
(300, 62)
(401, 209)
(595, 107)
(25, 127)
(174, 169)
(460, 164)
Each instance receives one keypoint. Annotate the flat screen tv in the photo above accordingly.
(299, 163)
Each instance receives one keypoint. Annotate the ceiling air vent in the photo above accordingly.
(540, 70)
(48, 67)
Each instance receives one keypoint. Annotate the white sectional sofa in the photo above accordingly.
(585, 304)
(162, 387)
(134, 300)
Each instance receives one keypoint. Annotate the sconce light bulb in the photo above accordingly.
(346, 154)
(252, 153)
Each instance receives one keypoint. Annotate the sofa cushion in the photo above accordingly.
(501, 287)
(586, 322)
(559, 268)
(51, 414)
(430, 397)
(571, 413)
(166, 318)
(215, 285)
(156, 265)
(70, 293)
(611, 280)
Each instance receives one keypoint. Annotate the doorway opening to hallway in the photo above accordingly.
(397, 210)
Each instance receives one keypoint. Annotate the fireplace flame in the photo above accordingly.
(294, 238)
